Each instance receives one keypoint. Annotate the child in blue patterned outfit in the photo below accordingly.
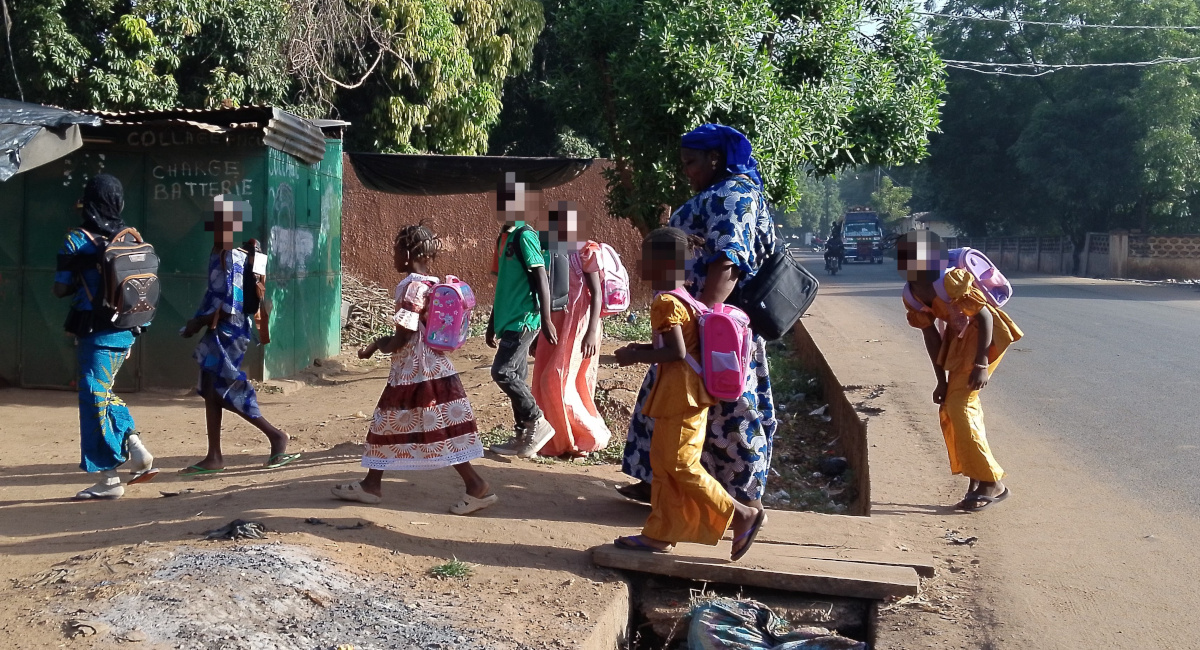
(223, 384)
(107, 436)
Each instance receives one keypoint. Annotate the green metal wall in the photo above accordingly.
(12, 224)
(168, 195)
(305, 268)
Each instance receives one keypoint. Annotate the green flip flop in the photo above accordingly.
(196, 470)
(279, 460)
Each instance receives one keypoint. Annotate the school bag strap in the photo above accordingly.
(696, 306)
(99, 242)
(137, 236)
(911, 300)
(510, 246)
(262, 315)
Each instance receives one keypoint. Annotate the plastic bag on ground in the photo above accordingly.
(725, 624)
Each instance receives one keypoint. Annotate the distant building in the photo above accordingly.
(927, 221)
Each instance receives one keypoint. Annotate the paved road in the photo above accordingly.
(1112, 369)
(1094, 416)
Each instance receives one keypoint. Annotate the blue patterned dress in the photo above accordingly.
(221, 349)
(732, 218)
(104, 421)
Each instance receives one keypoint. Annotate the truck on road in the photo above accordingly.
(862, 230)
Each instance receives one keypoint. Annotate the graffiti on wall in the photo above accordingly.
(290, 248)
(199, 178)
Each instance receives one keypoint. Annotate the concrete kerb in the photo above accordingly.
(850, 428)
(611, 629)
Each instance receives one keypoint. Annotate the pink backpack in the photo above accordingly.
(991, 281)
(614, 282)
(449, 322)
(725, 342)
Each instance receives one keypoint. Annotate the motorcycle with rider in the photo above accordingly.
(835, 251)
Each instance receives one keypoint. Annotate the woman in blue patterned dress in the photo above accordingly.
(731, 215)
(223, 384)
(107, 436)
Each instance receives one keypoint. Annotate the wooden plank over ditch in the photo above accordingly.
(922, 563)
(770, 566)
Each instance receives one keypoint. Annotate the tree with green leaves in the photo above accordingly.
(815, 85)
(411, 75)
(890, 201)
(820, 205)
(1074, 150)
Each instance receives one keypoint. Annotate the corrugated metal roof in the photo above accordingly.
(281, 130)
(211, 128)
(295, 135)
(330, 124)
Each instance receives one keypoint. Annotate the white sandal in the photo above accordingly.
(109, 487)
(471, 504)
(354, 492)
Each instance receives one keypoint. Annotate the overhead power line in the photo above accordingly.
(995, 68)
(1017, 21)
(1122, 64)
(1041, 69)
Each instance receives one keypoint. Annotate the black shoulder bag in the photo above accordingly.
(778, 295)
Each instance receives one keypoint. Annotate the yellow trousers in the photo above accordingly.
(962, 425)
(687, 504)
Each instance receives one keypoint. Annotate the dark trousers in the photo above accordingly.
(510, 371)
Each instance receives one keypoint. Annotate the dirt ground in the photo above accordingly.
(532, 587)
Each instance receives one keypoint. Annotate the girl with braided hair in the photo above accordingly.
(423, 419)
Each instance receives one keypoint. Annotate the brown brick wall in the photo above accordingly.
(468, 227)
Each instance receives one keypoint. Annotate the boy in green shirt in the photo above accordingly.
(517, 314)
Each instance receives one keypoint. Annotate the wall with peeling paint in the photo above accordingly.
(468, 226)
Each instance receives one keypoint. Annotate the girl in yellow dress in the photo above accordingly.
(964, 352)
(688, 504)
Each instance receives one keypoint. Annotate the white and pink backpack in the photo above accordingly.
(614, 282)
(449, 321)
(725, 344)
(995, 287)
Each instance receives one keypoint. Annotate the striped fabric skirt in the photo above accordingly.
(423, 419)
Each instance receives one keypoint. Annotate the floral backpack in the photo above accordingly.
(449, 321)
(725, 340)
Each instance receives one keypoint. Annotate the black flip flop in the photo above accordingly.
(635, 543)
(962, 505)
(752, 534)
(986, 500)
(639, 492)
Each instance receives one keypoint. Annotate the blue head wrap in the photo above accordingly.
(731, 142)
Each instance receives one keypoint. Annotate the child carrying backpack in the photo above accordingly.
(94, 274)
(231, 307)
(522, 307)
(564, 373)
(954, 298)
(423, 419)
(687, 503)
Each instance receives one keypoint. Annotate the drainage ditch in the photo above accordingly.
(660, 616)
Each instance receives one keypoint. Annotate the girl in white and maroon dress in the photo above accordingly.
(423, 419)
